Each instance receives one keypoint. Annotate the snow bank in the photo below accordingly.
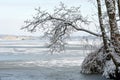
(93, 63)
(109, 69)
(97, 62)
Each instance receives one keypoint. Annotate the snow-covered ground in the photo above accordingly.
(31, 60)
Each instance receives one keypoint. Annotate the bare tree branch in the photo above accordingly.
(59, 24)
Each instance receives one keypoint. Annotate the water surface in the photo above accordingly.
(31, 60)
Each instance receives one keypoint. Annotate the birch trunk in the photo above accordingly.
(110, 5)
(118, 2)
(104, 36)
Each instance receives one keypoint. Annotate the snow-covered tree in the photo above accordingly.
(109, 55)
(58, 25)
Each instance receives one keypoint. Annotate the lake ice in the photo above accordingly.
(31, 60)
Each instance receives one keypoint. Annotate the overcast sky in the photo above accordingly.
(13, 13)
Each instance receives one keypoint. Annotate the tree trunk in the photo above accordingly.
(104, 36)
(118, 2)
(110, 5)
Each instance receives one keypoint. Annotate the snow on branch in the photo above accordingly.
(59, 24)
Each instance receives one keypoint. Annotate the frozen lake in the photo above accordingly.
(31, 60)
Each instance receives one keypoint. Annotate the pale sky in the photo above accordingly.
(13, 13)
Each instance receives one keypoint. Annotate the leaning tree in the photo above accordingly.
(58, 25)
